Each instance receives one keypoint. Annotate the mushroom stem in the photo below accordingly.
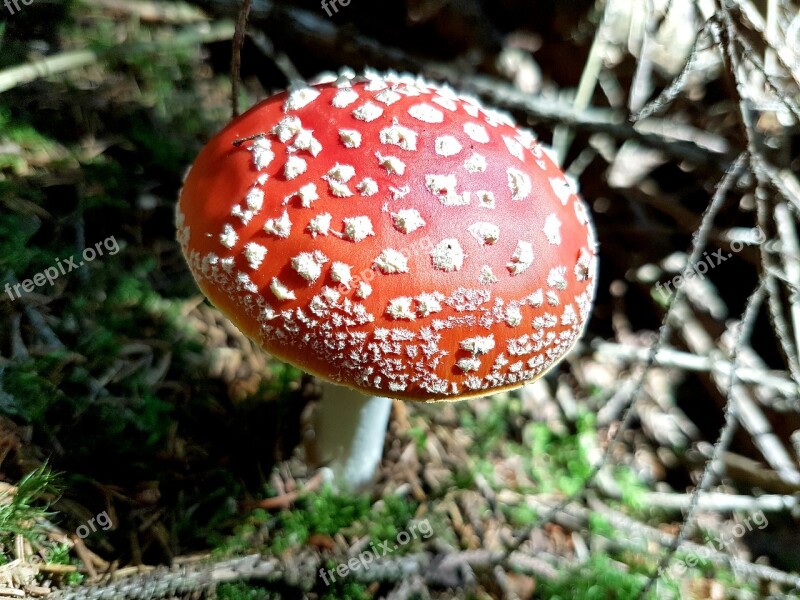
(350, 431)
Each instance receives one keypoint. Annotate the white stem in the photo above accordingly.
(350, 429)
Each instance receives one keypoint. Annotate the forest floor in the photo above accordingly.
(139, 428)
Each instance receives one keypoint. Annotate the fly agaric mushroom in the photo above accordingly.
(393, 237)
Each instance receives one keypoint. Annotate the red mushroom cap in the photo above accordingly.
(392, 236)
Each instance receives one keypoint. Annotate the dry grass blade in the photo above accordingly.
(712, 468)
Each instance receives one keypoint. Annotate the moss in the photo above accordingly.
(394, 515)
(22, 512)
(633, 490)
(520, 515)
(418, 435)
(61, 555)
(324, 513)
(244, 591)
(597, 579)
(464, 478)
(560, 462)
(347, 591)
(22, 134)
(495, 427)
(599, 525)
(20, 253)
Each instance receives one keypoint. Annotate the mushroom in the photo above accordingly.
(392, 238)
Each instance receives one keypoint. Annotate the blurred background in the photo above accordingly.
(133, 412)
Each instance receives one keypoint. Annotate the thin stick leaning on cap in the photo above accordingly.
(388, 235)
